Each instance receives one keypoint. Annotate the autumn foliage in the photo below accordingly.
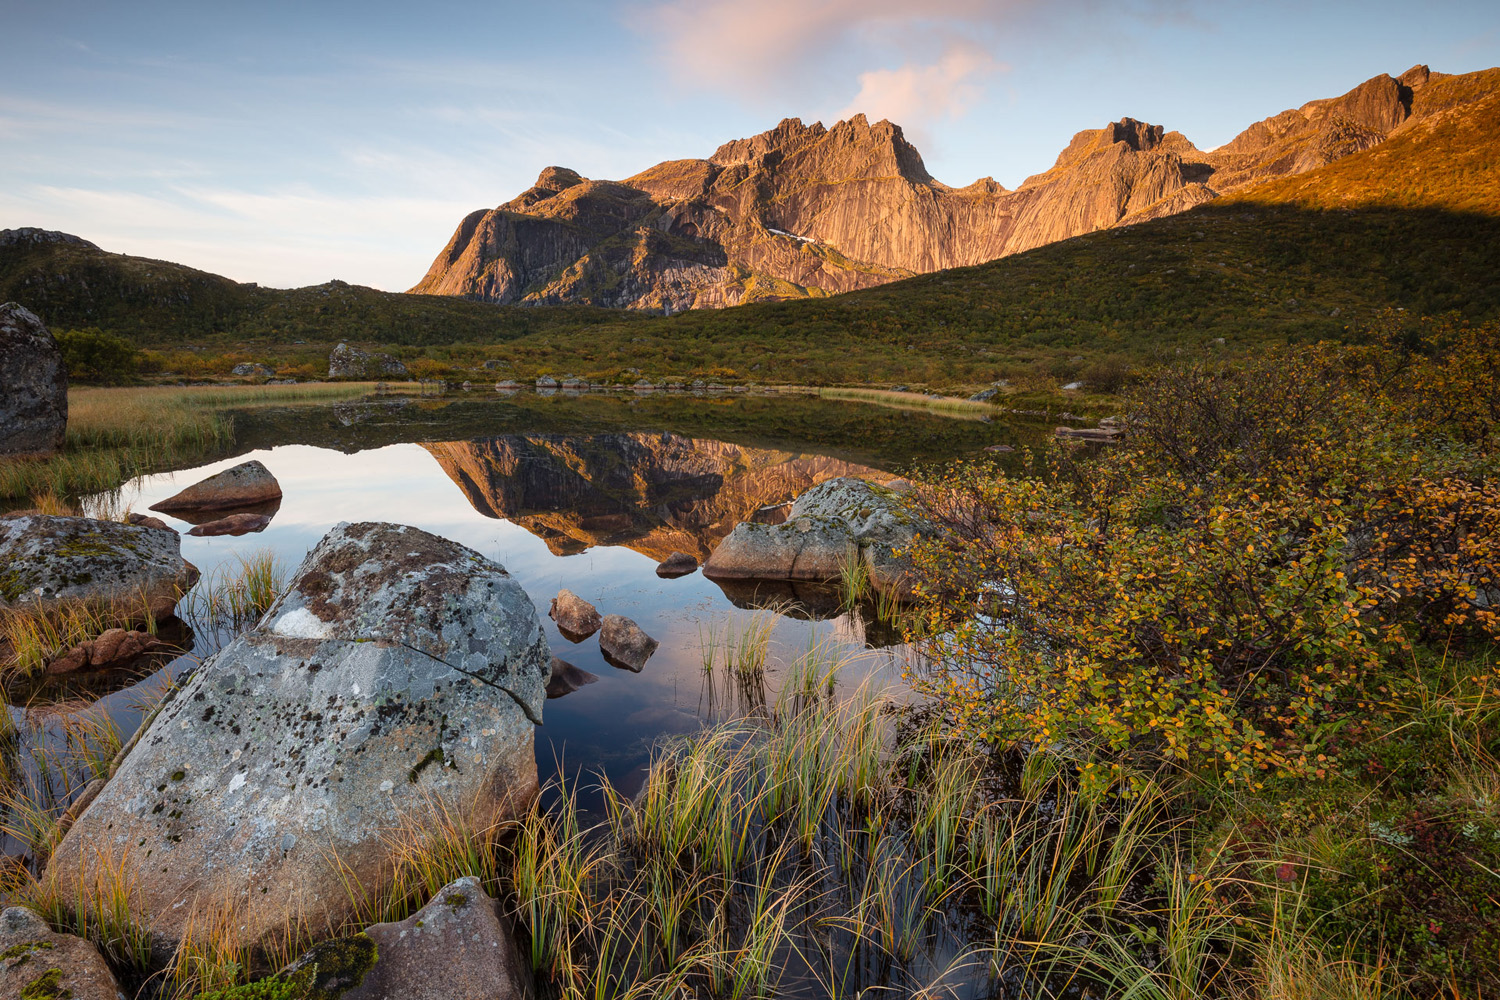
(1228, 586)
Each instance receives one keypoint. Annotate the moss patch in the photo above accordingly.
(47, 986)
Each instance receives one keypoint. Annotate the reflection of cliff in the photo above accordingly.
(655, 493)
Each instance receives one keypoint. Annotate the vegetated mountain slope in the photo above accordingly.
(72, 283)
(805, 211)
(1412, 223)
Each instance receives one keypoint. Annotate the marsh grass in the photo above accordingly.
(948, 406)
(116, 434)
(854, 577)
(236, 596)
(97, 903)
(31, 635)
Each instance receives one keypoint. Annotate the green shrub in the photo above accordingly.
(94, 357)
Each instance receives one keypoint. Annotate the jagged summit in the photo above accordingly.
(804, 210)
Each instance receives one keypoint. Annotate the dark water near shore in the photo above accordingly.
(586, 493)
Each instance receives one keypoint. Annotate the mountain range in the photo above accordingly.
(804, 210)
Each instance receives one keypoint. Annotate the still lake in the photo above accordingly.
(586, 492)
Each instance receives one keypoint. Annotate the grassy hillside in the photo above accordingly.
(1413, 225)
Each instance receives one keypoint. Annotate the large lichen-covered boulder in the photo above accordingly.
(33, 385)
(347, 361)
(831, 523)
(401, 672)
(36, 963)
(248, 484)
(45, 558)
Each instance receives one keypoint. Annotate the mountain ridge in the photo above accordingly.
(808, 210)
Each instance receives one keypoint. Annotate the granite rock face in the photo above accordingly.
(36, 962)
(834, 521)
(45, 558)
(348, 361)
(401, 671)
(33, 385)
(804, 208)
(245, 485)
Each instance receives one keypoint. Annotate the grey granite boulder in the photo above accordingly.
(351, 362)
(45, 558)
(624, 644)
(36, 962)
(253, 368)
(245, 485)
(401, 672)
(834, 521)
(33, 385)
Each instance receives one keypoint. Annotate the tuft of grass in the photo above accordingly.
(237, 597)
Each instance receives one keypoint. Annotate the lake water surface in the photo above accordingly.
(586, 493)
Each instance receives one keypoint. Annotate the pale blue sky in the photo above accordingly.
(290, 143)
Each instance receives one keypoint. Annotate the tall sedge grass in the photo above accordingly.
(236, 596)
(114, 435)
(949, 406)
(31, 635)
(97, 903)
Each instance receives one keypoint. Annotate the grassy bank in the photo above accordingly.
(116, 434)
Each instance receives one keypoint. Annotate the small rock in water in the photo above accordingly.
(245, 485)
(624, 644)
(567, 678)
(234, 524)
(40, 963)
(147, 521)
(113, 648)
(675, 565)
(576, 618)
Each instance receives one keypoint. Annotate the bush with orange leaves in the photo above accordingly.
(1226, 587)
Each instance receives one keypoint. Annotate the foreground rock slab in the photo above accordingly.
(33, 385)
(624, 644)
(456, 947)
(576, 618)
(401, 672)
(45, 558)
(245, 485)
(36, 963)
(833, 522)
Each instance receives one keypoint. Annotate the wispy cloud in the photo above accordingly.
(917, 94)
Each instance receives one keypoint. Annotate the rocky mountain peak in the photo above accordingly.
(789, 134)
(1139, 136)
(557, 179)
(29, 235)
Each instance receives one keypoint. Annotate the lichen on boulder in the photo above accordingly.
(44, 559)
(400, 672)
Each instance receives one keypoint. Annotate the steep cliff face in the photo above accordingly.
(655, 493)
(806, 210)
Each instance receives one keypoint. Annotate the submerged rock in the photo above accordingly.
(113, 648)
(147, 521)
(456, 947)
(624, 644)
(831, 523)
(576, 618)
(351, 362)
(36, 963)
(400, 672)
(567, 678)
(245, 485)
(234, 524)
(34, 400)
(45, 558)
(675, 565)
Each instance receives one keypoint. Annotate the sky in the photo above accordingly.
(292, 143)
